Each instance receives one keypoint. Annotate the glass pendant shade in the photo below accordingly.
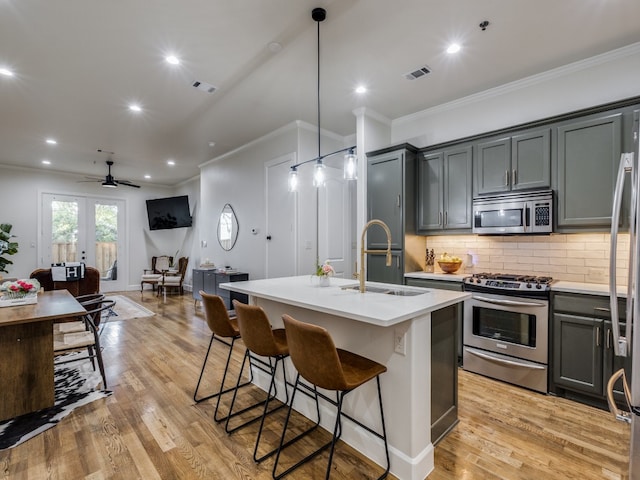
(318, 175)
(350, 166)
(293, 180)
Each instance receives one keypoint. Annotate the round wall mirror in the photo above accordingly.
(227, 228)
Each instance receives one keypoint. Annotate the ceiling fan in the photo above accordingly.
(109, 181)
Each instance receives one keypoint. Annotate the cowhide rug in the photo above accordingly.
(75, 385)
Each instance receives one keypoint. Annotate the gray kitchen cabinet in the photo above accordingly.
(377, 270)
(444, 371)
(518, 162)
(444, 190)
(587, 159)
(443, 285)
(390, 198)
(583, 358)
(209, 281)
(577, 354)
(493, 166)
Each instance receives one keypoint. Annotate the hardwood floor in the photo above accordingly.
(151, 428)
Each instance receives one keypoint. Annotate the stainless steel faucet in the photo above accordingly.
(363, 250)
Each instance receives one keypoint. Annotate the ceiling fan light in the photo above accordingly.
(109, 185)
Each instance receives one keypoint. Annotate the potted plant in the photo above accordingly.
(7, 247)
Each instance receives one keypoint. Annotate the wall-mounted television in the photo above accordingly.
(171, 212)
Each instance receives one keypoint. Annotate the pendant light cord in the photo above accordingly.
(318, 88)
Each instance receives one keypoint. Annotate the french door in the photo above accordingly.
(85, 229)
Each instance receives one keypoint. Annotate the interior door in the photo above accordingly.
(281, 213)
(334, 223)
(85, 229)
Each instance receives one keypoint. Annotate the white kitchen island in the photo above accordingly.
(395, 330)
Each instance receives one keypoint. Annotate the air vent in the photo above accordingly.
(421, 72)
(205, 87)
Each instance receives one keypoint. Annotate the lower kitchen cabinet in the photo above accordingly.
(377, 270)
(444, 372)
(443, 285)
(583, 357)
(209, 281)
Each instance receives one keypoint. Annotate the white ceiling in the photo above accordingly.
(79, 63)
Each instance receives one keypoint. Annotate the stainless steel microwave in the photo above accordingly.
(514, 213)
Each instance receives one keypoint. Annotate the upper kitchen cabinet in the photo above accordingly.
(390, 195)
(518, 162)
(444, 190)
(588, 154)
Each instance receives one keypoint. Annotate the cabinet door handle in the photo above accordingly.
(602, 309)
(597, 336)
(506, 178)
(398, 262)
(608, 342)
(398, 201)
(446, 218)
(514, 177)
(439, 218)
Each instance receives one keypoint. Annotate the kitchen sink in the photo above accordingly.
(400, 292)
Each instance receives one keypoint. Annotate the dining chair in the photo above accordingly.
(89, 340)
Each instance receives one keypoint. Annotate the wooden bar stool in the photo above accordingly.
(224, 329)
(320, 363)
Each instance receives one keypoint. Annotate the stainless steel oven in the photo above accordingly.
(506, 329)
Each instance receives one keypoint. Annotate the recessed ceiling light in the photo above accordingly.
(147, 177)
(453, 48)
(173, 60)
(361, 89)
(135, 108)
(46, 162)
(212, 144)
(171, 162)
(51, 141)
(6, 72)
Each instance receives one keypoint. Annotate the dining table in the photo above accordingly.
(26, 352)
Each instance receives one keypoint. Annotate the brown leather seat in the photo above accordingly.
(261, 339)
(84, 286)
(224, 328)
(320, 363)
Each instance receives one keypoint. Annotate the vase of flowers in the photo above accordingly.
(324, 271)
(20, 292)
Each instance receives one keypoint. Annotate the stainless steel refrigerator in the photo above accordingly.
(627, 341)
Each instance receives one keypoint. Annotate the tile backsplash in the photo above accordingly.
(580, 257)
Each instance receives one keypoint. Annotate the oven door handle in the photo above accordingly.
(509, 303)
(512, 363)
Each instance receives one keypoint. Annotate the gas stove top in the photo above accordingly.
(509, 282)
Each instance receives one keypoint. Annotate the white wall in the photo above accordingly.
(239, 179)
(20, 191)
(595, 81)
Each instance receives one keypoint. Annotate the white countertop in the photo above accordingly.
(369, 307)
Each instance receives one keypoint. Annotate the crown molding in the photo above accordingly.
(367, 112)
(526, 82)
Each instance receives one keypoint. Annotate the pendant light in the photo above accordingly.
(350, 166)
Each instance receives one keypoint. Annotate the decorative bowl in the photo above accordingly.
(449, 267)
